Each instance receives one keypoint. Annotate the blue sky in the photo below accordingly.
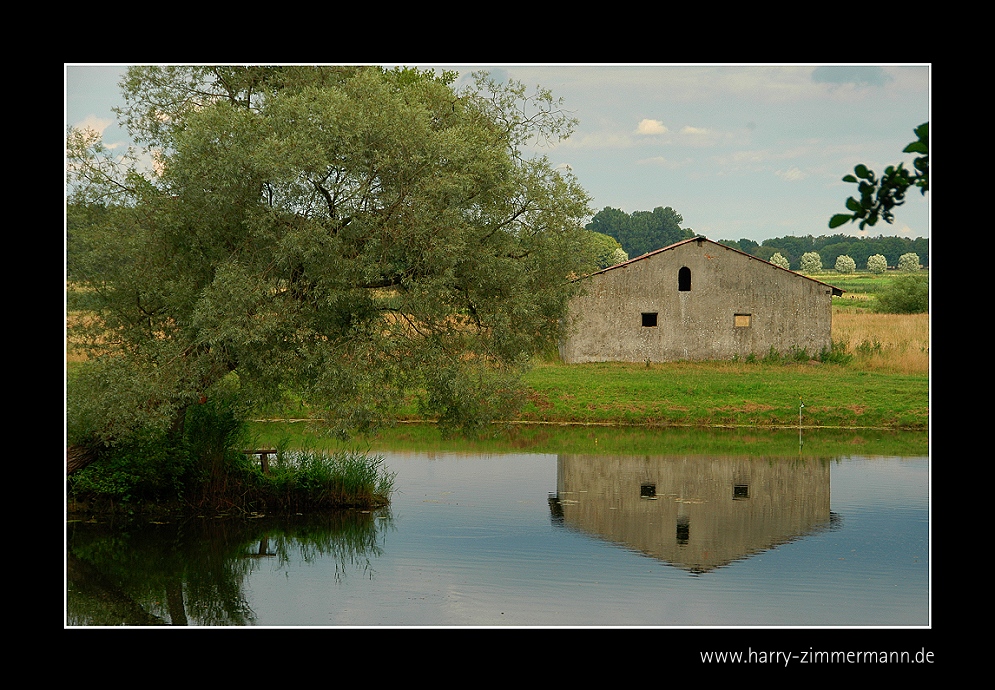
(740, 151)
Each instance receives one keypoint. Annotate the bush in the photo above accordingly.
(837, 353)
(844, 264)
(907, 295)
(811, 262)
(141, 471)
(775, 356)
(165, 469)
(877, 263)
(204, 469)
(779, 260)
(908, 263)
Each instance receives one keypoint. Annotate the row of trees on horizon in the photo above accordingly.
(645, 231)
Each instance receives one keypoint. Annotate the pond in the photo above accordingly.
(543, 539)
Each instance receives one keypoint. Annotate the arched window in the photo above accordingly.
(684, 279)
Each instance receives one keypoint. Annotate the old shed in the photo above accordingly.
(696, 300)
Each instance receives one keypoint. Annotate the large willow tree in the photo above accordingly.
(355, 235)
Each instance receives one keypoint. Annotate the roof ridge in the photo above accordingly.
(702, 238)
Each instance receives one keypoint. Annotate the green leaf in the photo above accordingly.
(916, 147)
(862, 171)
(849, 178)
(853, 204)
(839, 219)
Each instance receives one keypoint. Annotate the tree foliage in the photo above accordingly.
(909, 262)
(779, 260)
(791, 247)
(643, 231)
(358, 235)
(845, 264)
(879, 196)
(604, 250)
(876, 263)
(811, 262)
(907, 294)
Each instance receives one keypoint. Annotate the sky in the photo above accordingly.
(740, 151)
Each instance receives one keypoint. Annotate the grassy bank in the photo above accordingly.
(727, 394)
(614, 440)
(297, 482)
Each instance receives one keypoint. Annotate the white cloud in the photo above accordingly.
(651, 127)
(688, 129)
(98, 125)
(95, 123)
(793, 174)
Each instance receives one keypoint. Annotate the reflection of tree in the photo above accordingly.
(194, 572)
(99, 600)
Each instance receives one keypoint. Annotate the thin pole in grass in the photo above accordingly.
(800, 406)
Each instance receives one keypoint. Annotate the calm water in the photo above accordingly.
(544, 540)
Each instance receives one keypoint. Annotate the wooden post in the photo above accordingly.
(263, 454)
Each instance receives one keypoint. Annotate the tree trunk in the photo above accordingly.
(79, 456)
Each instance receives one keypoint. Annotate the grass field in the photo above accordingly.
(860, 290)
(727, 394)
(897, 343)
(611, 439)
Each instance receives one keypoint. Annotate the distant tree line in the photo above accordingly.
(831, 247)
(645, 231)
(641, 231)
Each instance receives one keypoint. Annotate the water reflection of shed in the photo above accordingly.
(696, 513)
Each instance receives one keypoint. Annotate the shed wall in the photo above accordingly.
(776, 308)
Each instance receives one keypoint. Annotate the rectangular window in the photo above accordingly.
(649, 319)
(743, 320)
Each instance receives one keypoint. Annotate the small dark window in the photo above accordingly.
(740, 492)
(684, 279)
(647, 491)
(649, 319)
(683, 529)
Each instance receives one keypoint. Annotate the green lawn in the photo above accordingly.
(727, 393)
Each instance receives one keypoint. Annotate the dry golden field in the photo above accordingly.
(73, 353)
(896, 343)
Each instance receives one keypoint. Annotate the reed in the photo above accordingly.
(896, 343)
(310, 479)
